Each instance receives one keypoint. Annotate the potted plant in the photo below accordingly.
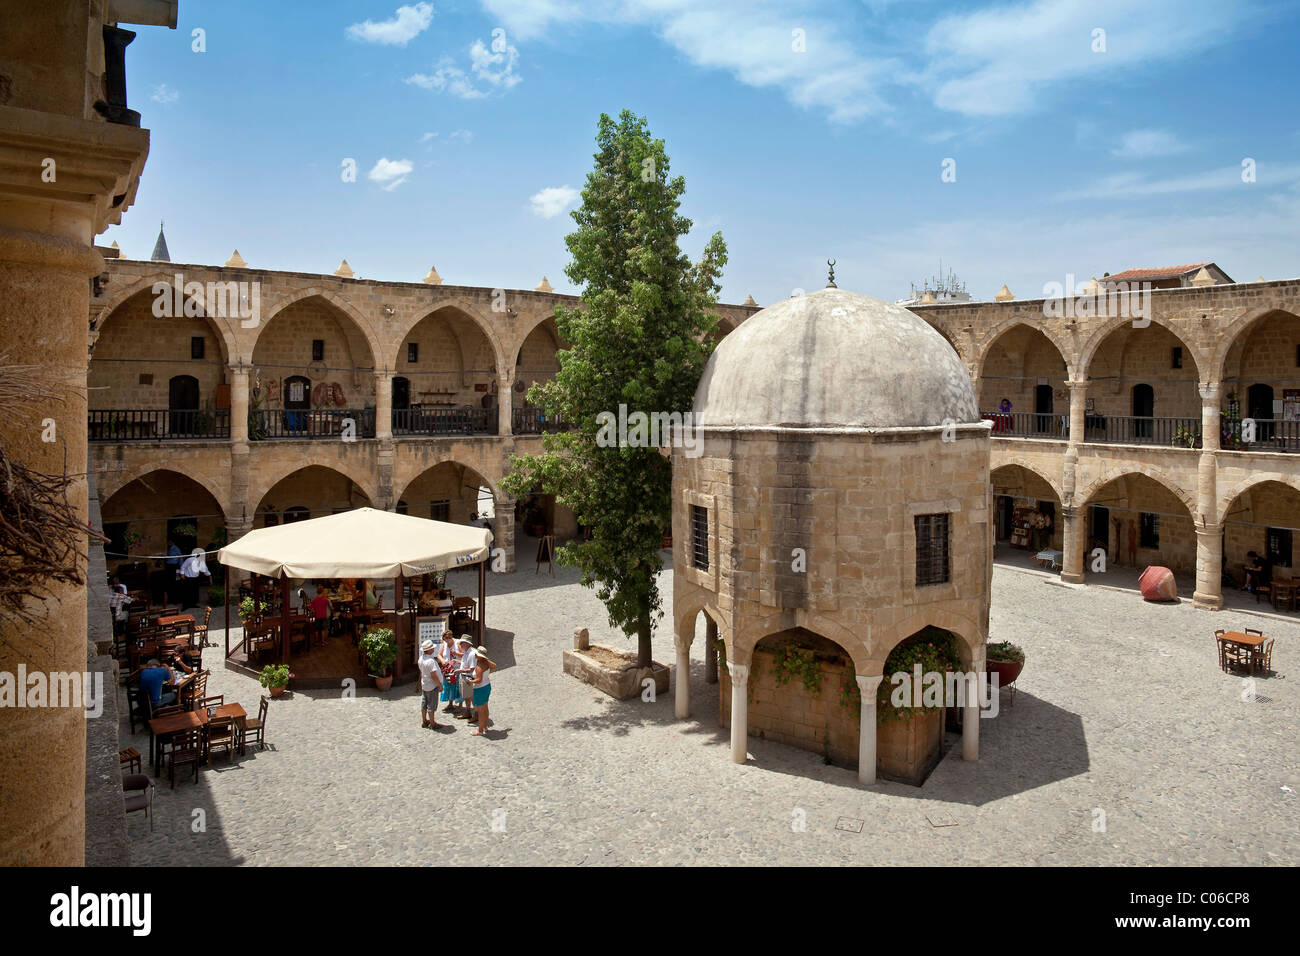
(275, 677)
(380, 647)
(1004, 659)
(247, 609)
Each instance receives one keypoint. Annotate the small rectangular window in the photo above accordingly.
(146, 378)
(440, 510)
(413, 351)
(196, 346)
(1278, 546)
(318, 350)
(1148, 530)
(932, 565)
(1177, 359)
(699, 538)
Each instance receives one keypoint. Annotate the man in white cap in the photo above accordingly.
(430, 684)
(465, 673)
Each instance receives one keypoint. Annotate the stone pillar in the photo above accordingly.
(970, 716)
(868, 685)
(388, 495)
(238, 403)
(1209, 568)
(739, 674)
(505, 404)
(503, 532)
(1072, 545)
(383, 403)
(1210, 419)
(1078, 408)
(65, 176)
(710, 650)
(682, 676)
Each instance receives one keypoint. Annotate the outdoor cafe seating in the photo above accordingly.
(1246, 651)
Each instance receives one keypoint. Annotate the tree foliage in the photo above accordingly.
(640, 338)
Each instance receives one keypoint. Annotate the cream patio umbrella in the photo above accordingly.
(362, 543)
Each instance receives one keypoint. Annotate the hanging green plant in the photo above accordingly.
(794, 661)
(934, 649)
(851, 697)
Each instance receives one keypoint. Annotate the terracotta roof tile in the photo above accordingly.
(1165, 273)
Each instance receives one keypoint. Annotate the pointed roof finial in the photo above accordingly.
(830, 278)
(543, 286)
(1004, 294)
(1203, 278)
(928, 298)
(749, 300)
(432, 278)
(160, 253)
(236, 261)
(344, 270)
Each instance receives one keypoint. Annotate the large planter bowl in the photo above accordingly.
(1007, 671)
(383, 683)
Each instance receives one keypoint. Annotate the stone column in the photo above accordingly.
(238, 403)
(1209, 567)
(503, 532)
(1078, 409)
(682, 676)
(710, 650)
(383, 403)
(1072, 545)
(739, 674)
(1210, 419)
(65, 176)
(970, 716)
(505, 404)
(868, 685)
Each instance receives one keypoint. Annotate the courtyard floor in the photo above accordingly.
(1126, 746)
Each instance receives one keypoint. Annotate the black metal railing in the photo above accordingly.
(1028, 424)
(332, 423)
(1142, 430)
(460, 420)
(155, 424)
(534, 421)
(1260, 434)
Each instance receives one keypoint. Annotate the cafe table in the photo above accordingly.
(1249, 641)
(164, 728)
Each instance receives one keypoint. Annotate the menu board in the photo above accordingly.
(1291, 404)
(430, 627)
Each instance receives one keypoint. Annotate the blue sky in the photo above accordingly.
(472, 125)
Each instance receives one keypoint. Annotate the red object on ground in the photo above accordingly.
(1157, 584)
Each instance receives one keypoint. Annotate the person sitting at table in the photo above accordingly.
(1254, 572)
(152, 681)
(320, 609)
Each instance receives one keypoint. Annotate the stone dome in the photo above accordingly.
(834, 358)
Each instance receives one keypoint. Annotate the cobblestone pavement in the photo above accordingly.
(1121, 710)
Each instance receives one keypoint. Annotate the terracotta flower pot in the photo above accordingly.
(1007, 671)
(383, 683)
(277, 691)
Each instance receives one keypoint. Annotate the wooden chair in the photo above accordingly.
(1283, 595)
(1218, 646)
(1251, 630)
(221, 734)
(138, 790)
(186, 750)
(130, 760)
(256, 728)
(1264, 659)
(200, 634)
(1235, 655)
(1264, 590)
(203, 703)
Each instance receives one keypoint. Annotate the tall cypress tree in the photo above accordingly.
(640, 339)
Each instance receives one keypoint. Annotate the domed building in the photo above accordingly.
(836, 500)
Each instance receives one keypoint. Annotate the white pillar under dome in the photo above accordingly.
(868, 685)
(739, 674)
(682, 677)
(970, 716)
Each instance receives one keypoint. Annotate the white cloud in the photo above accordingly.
(553, 200)
(461, 136)
(390, 173)
(998, 61)
(162, 93)
(428, 136)
(1147, 144)
(407, 23)
(491, 70)
(1133, 185)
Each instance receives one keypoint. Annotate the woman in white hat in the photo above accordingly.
(482, 683)
(430, 683)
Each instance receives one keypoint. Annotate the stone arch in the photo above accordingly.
(1104, 332)
(970, 636)
(493, 484)
(220, 325)
(1240, 331)
(342, 306)
(471, 312)
(684, 621)
(996, 334)
(1017, 462)
(1246, 484)
(110, 483)
(1155, 474)
(261, 482)
(746, 638)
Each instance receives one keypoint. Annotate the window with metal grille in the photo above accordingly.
(1148, 530)
(1176, 358)
(440, 510)
(1278, 546)
(413, 351)
(318, 350)
(197, 346)
(699, 538)
(932, 566)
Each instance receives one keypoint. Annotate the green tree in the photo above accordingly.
(641, 339)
